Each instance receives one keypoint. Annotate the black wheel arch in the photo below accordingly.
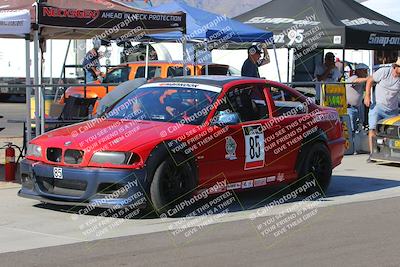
(318, 136)
(161, 152)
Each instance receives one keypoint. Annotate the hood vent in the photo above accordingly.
(54, 154)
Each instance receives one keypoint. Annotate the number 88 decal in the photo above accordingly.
(254, 146)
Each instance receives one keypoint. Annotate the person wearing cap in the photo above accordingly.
(355, 92)
(91, 63)
(326, 72)
(254, 60)
(385, 103)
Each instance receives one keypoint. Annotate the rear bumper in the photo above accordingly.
(385, 151)
(337, 148)
(94, 187)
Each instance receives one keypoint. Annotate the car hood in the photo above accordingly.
(391, 121)
(111, 134)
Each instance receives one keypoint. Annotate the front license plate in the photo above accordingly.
(57, 173)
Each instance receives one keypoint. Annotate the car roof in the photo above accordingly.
(215, 80)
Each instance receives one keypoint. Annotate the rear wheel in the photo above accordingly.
(316, 164)
(171, 181)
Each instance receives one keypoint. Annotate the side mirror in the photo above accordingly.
(223, 118)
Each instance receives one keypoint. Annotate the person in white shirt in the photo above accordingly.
(326, 72)
(355, 93)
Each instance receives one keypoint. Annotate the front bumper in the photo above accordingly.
(94, 187)
(386, 149)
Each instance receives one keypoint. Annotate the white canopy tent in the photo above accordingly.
(17, 24)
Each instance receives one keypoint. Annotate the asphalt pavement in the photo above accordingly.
(357, 234)
(355, 224)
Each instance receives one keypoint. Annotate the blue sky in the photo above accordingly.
(389, 8)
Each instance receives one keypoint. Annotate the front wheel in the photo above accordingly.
(171, 182)
(317, 165)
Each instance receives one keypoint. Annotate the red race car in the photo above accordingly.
(173, 138)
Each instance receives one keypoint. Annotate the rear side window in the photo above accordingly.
(287, 103)
(154, 71)
(215, 70)
(118, 75)
(177, 71)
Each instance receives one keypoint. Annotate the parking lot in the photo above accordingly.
(361, 197)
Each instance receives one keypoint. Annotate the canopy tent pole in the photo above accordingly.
(36, 78)
(195, 59)
(371, 60)
(51, 62)
(184, 55)
(42, 89)
(288, 64)
(146, 71)
(206, 55)
(344, 61)
(276, 62)
(63, 70)
(28, 89)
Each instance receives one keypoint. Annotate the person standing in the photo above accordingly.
(91, 63)
(326, 72)
(354, 93)
(254, 60)
(386, 103)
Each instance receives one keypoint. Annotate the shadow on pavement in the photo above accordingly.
(350, 185)
(255, 198)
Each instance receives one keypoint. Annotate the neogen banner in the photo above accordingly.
(105, 19)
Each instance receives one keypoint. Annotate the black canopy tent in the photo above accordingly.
(306, 27)
(338, 23)
(86, 19)
(103, 19)
(106, 19)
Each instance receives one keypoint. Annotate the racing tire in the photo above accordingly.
(171, 183)
(316, 164)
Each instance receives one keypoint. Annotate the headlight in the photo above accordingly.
(116, 158)
(34, 150)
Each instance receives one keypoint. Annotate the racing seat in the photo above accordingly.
(246, 108)
(74, 110)
(77, 108)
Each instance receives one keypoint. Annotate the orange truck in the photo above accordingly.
(133, 70)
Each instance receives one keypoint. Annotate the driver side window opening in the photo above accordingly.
(247, 101)
(287, 103)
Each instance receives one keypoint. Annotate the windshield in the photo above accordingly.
(168, 104)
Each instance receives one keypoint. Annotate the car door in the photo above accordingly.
(286, 137)
(238, 153)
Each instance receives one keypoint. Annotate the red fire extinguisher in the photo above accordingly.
(10, 165)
